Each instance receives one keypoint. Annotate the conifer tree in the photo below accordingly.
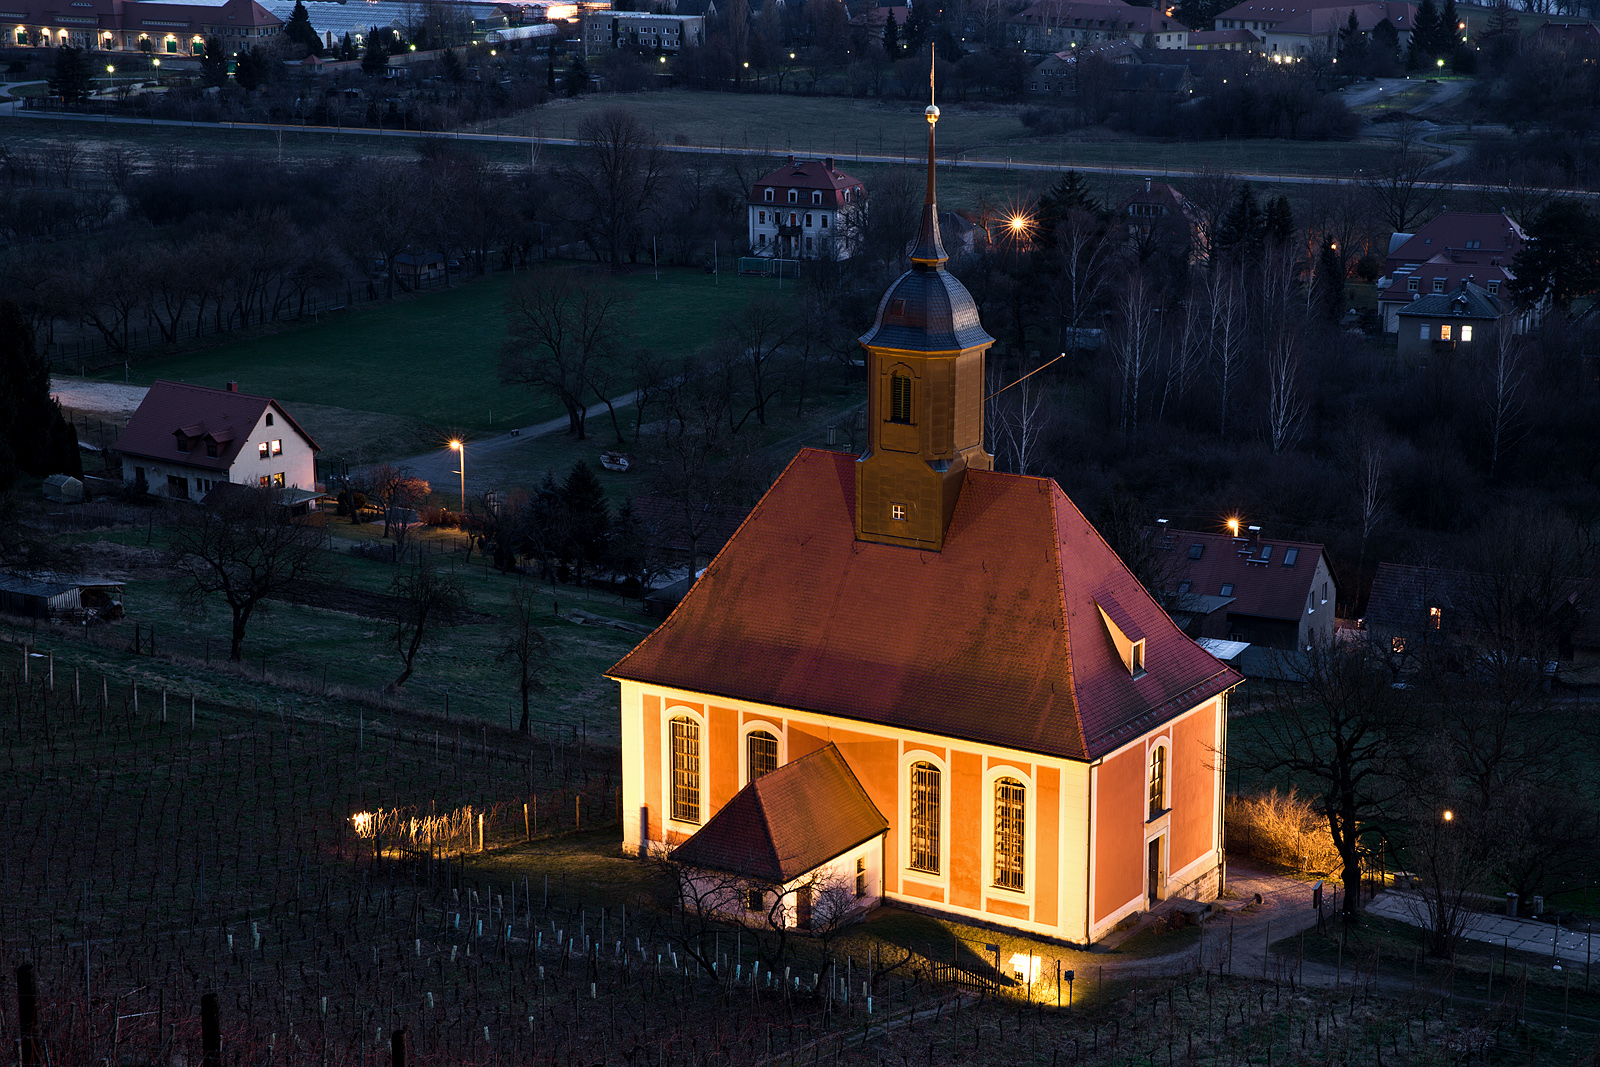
(1329, 283)
(891, 37)
(1424, 34)
(588, 517)
(70, 77)
(35, 437)
(214, 64)
(1279, 223)
(299, 30)
(1242, 227)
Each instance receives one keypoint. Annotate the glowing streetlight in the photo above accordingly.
(1441, 62)
(461, 446)
(1233, 527)
(1449, 815)
(1018, 223)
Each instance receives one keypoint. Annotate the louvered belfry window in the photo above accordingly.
(900, 399)
(1010, 797)
(685, 770)
(925, 788)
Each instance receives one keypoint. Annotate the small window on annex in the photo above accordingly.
(685, 769)
(861, 876)
(900, 399)
(1010, 809)
(761, 754)
(925, 798)
(1158, 780)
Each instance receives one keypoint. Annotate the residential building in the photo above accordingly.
(1240, 40)
(875, 19)
(1562, 35)
(1273, 593)
(1159, 212)
(1547, 619)
(1052, 26)
(606, 30)
(153, 27)
(983, 714)
(1298, 27)
(183, 440)
(806, 210)
(1452, 247)
(1441, 323)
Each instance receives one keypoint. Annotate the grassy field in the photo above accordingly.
(432, 358)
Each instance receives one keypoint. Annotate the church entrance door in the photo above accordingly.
(1155, 871)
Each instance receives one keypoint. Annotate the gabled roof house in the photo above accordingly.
(185, 439)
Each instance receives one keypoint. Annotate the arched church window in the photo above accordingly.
(900, 398)
(1010, 802)
(761, 754)
(1158, 780)
(685, 769)
(925, 797)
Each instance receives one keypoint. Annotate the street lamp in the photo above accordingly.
(461, 446)
(1449, 815)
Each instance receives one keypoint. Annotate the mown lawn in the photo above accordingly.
(433, 357)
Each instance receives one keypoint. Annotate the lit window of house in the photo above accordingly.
(1444, 332)
(1435, 617)
(263, 449)
(1466, 333)
(1397, 644)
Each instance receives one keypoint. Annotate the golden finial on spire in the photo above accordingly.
(933, 109)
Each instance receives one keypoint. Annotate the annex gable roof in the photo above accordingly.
(1099, 14)
(996, 639)
(1466, 301)
(172, 411)
(1265, 588)
(788, 822)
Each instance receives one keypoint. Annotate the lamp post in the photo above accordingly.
(461, 446)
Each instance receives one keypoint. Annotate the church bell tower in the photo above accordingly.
(925, 358)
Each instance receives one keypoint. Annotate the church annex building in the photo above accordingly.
(931, 680)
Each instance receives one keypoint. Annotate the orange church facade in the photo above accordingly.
(1007, 727)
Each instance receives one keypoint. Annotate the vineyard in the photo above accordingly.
(335, 882)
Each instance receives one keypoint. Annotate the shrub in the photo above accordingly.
(441, 517)
(1281, 829)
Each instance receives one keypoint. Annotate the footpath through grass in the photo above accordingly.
(432, 357)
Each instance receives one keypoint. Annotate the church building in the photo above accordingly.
(933, 683)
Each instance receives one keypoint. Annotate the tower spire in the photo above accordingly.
(929, 253)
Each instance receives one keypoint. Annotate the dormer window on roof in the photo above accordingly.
(1227, 588)
(1289, 556)
(1196, 551)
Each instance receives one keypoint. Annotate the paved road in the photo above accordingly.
(439, 466)
(1266, 177)
(1520, 934)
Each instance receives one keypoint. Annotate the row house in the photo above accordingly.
(1451, 248)
(147, 26)
(1052, 26)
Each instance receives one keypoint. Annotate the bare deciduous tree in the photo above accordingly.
(1134, 346)
(1400, 190)
(616, 176)
(245, 549)
(561, 328)
(425, 598)
(1502, 384)
(398, 490)
(524, 647)
(1286, 403)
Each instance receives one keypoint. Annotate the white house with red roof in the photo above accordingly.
(806, 210)
(975, 708)
(184, 440)
(1451, 248)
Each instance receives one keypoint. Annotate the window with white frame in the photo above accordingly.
(761, 754)
(1158, 780)
(1010, 837)
(926, 782)
(685, 769)
(861, 876)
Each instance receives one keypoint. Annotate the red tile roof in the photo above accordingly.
(996, 639)
(811, 174)
(1497, 235)
(1267, 590)
(197, 412)
(788, 822)
(1098, 14)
